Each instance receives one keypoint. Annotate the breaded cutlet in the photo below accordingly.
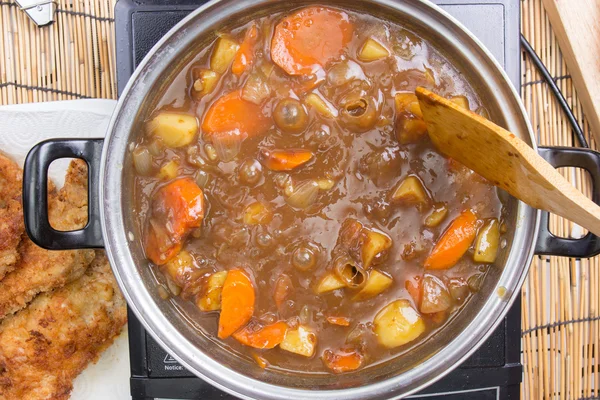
(39, 270)
(46, 345)
(11, 214)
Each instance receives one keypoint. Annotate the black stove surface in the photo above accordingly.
(492, 372)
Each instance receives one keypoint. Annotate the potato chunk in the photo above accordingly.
(168, 171)
(329, 282)
(302, 341)
(410, 127)
(174, 129)
(398, 323)
(320, 105)
(178, 266)
(410, 130)
(223, 54)
(375, 244)
(372, 50)
(436, 217)
(377, 283)
(257, 213)
(204, 83)
(461, 101)
(211, 298)
(326, 184)
(407, 102)
(412, 192)
(488, 239)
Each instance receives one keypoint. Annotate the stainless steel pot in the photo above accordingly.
(112, 226)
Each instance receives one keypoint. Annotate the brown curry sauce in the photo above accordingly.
(296, 175)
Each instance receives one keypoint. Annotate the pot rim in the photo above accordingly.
(162, 330)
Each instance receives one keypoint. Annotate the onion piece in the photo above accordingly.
(256, 89)
(227, 145)
(475, 281)
(173, 287)
(142, 161)
(156, 147)
(211, 154)
(305, 315)
(163, 292)
(436, 297)
(459, 290)
(488, 242)
(345, 71)
(358, 335)
(304, 194)
(202, 178)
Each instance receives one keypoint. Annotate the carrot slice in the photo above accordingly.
(260, 360)
(415, 289)
(245, 54)
(177, 208)
(310, 38)
(231, 113)
(341, 321)
(261, 337)
(454, 243)
(284, 160)
(283, 288)
(237, 302)
(342, 360)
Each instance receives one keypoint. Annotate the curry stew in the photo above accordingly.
(288, 189)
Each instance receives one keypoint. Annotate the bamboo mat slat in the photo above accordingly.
(561, 327)
(71, 59)
(75, 58)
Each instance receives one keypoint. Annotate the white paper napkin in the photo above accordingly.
(21, 127)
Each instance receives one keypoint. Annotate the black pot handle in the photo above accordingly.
(549, 244)
(35, 194)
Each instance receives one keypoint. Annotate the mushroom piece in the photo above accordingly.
(358, 113)
(349, 272)
(290, 116)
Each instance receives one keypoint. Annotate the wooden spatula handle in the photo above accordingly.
(505, 160)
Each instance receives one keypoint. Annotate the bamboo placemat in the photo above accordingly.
(561, 327)
(75, 58)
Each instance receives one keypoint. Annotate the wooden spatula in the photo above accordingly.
(504, 160)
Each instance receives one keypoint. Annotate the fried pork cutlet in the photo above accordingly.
(40, 270)
(70, 211)
(46, 345)
(11, 214)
